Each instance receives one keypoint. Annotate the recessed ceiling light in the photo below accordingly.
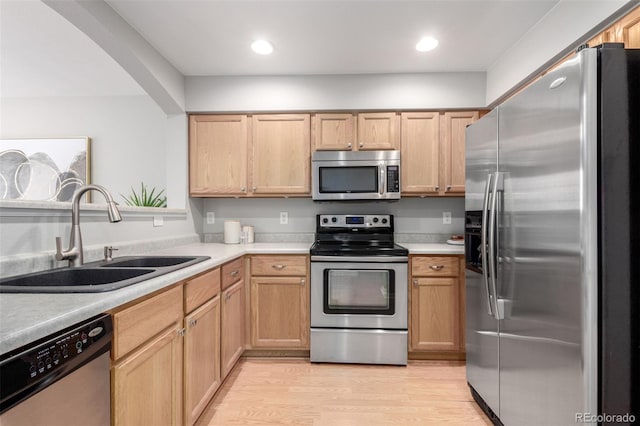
(262, 47)
(426, 43)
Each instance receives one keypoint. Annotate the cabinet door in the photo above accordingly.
(147, 384)
(279, 312)
(281, 154)
(627, 30)
(378, 130)
(201, 358)
(452, 132)
(435, 314)
(232, 327)
(333, 132)
(218, 155)
(420, 153)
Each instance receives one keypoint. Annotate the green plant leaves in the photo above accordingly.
(145, 198)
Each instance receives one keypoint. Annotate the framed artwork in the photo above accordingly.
(43, 169)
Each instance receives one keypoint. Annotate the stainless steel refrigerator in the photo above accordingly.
(553, 246)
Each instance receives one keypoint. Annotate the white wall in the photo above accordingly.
(412, 215)
(128, 135)
(336, 92)
(564, 26)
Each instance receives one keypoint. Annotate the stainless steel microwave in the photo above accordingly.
(356, 175)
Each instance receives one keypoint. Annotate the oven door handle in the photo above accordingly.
(361, 259)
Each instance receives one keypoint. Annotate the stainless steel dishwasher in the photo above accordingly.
(62, 379)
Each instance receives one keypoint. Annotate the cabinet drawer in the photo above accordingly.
(200, 289)
(232, 272)
(278, 265)
(435, 266)
(135, 325)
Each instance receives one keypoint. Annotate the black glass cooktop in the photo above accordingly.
(360, 248)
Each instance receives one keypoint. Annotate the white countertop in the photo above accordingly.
(25, 318)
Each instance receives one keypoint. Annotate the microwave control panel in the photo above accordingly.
(393, 179)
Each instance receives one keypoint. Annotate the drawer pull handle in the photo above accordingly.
(436, 267)
(279, 267)
(181, 332)
(415, 283)
(302, 281)
(348, 145)
(193, 322)
(234, 273)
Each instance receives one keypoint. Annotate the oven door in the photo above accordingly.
(359, 295)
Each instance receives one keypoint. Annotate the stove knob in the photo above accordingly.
(375, 220)
(334, 219)
(384, 220)
(325, 220)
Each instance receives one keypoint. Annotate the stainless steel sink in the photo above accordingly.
(97, 276)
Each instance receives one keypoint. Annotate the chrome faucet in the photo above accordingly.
(74, 253)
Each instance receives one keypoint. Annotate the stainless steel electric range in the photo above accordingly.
(358, 291)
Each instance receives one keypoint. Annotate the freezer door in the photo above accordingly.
(546, 145)
(481, 327)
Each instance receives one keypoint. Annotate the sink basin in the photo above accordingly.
(149, 262)
(73, 280)
(97, 276)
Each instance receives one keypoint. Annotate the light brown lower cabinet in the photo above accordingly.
(232, 326)
(147, 370)
(201, 358)
(437, 306)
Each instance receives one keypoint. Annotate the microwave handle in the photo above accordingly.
(381, 179)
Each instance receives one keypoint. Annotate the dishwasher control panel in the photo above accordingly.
(49, 357)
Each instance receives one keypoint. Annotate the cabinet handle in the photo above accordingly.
(181, 332)
(279, 267)
(234, 273)
(193, 322)
(254, 188)
(437, 188)
(436, 267)
(349, 145)
(415, 283)
(448, 187)
(243, 189)
(302, 281)
(361, 145)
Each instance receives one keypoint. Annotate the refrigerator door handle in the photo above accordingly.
(497, 179)
(483, 242)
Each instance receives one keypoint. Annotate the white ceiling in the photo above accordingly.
(330, 37)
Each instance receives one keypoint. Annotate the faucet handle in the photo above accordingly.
(108, 253)
(59, 255)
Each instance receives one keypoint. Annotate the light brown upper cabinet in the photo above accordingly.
(452, 134)
(420, 153)
(627, 30)
(378, 130)
(333, 132)
(241, 155)
(218, 152)
(281, 154)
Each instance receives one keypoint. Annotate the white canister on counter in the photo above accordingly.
(248, 230)
(232, 232)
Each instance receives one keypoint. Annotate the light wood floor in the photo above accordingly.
(296, 392)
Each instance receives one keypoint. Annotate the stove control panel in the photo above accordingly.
(355, 221)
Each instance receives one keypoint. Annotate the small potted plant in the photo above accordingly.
(145, 198)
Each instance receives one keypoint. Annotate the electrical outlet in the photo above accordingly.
(284, 218)
(211, 218)
(158, 221)
(446, 218)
